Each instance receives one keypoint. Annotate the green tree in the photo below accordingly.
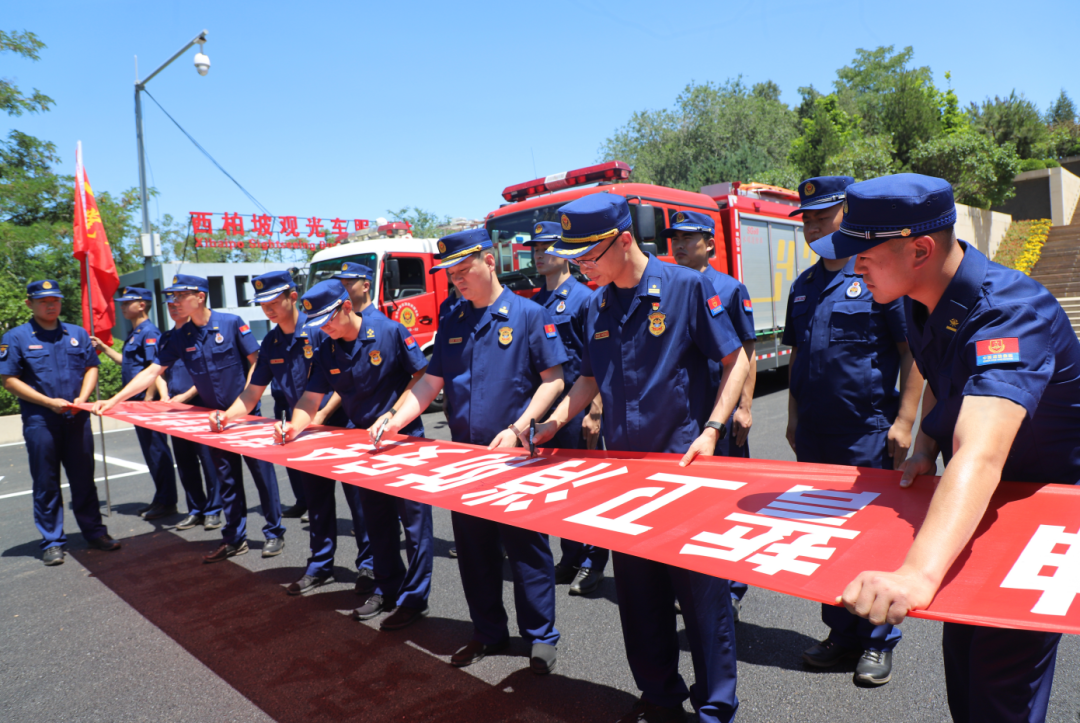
(423, 224)
(825, 133)
(980, 171)
(1012, 119)
(862, 159)
(1062, 112)
(724, 132)
(12, 100)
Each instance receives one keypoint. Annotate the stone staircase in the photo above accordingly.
(1058, 268)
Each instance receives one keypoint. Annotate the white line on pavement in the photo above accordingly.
(65, 485)
(123, 463)
(107, 431)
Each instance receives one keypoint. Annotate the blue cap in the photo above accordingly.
(899, 206)
(43, 288)
(545, 231)
(353, 270)
(456, 247)
(822, 192)
(271, 285)
(135, 293)
(589, 220)
(186, 282)
(321, 300)
(691, 222)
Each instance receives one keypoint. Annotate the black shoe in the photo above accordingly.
(736, 608)
(564, 574)
(475, 651)
(305, 517)
(274, 546)
(53, 556)
(874, 668)
(104, 542)
(212, 522)
(294, 512)
(646, 712)
(191, 521)
(158, 511)
(587, 581)
(225, 551)
(142, 510)
(308, 583)
(827, 654)
(403, 617)
(452, 552)
(371, 607)
(365, 582)
(542, 659)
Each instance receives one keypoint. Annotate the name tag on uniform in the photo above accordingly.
(799, 299)
(997, 351)
(335, 371)
(277, 361)
(192, 348)
(601, 335)
(455, 340)
(35, 346)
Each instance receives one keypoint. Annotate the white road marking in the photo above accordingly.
(134, 466)
(107, 431)
(123, 463)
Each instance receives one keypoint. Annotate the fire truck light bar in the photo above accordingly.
(610, 171)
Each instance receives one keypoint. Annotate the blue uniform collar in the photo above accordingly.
(651, 285)
(36, 327)
(959, 299)
(500, 310)
(561, 292)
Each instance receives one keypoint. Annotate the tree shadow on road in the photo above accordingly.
(301, 659)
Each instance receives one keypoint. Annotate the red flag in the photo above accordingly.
(95, 258)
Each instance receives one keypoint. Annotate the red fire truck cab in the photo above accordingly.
(756, 241)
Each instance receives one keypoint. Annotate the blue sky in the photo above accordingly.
(352, 108)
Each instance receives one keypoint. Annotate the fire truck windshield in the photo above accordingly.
(518, 227)
(323, 270)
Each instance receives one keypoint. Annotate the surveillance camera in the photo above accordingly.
(202, 63)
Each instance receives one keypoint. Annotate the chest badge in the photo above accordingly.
(376, 357)
(854, 291)
(219, 338)
(656, 323)
(561, 307)
(74, 341)
(506, 335)
(308, 351)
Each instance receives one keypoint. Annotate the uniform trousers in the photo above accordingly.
(155, 450)
(578, 554)
(320, 493)
(189, 456)
(865, 449)
(51, 441)
(399, 584)
(994, 675)
(234, 502)
(480, 562)
(647, 593)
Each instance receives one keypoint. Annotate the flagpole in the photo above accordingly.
(93, 330)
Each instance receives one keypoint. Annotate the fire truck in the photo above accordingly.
(757, 241)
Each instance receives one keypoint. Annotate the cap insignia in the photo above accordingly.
(442, 247)
(258, 284)
(905, 232)
(565, 222)
(539, 229)
(680, 217)
(345, 267)
(46, 285)
(307, 304)
(809, 189)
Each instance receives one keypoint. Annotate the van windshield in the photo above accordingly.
(518, 227)
(323, 270)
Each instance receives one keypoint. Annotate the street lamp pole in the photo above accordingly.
(202, 64)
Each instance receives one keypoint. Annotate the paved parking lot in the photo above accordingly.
(151, 634)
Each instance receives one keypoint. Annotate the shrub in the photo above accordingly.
(1022, 245)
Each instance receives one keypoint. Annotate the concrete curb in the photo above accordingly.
(11, 427)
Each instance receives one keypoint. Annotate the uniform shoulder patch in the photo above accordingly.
(715, 305)
(245, 329)
(747, 306)
(151, 341)
(410, 343)
(549, 331)
(997, 351)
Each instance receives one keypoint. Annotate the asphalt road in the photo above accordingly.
(151, 634)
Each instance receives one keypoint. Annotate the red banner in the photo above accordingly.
(96, 266)
(799, 529)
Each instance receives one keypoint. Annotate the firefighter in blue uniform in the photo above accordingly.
(1003, 402)
(566, 299)
(692, 245)
(285, 357)
(499, 358)
(215, 347)
(369, 361)
(651, 323)
(50, 365)
(844, 407)
(204, 504)
(139, 351)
